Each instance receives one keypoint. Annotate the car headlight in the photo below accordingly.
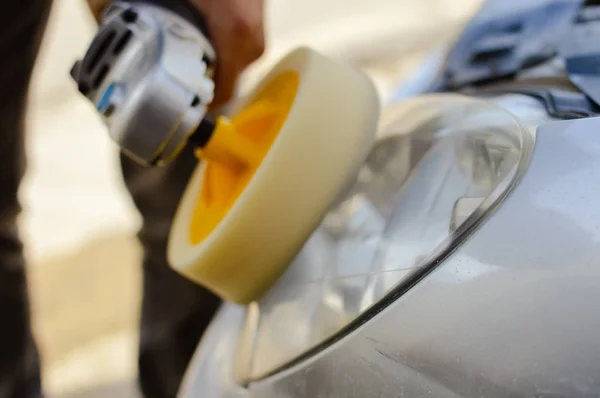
(440, 165)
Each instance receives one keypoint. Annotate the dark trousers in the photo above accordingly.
(174, 311)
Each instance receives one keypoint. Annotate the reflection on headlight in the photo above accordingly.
(463, 208)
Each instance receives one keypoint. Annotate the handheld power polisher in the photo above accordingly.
(148, 71)
(268, 173)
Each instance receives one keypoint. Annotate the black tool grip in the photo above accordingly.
(182, 8)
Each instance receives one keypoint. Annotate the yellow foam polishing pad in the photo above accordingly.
(270, 172)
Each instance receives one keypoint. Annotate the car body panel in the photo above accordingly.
(505, 315)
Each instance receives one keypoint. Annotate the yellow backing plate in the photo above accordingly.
(224, 182)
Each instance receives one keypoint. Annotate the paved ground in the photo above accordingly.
(78, 221)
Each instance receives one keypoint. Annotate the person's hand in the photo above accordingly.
(237, 33)
(236, 28)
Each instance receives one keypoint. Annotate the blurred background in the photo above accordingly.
(79, 224)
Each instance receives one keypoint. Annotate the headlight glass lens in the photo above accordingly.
(440, 163)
